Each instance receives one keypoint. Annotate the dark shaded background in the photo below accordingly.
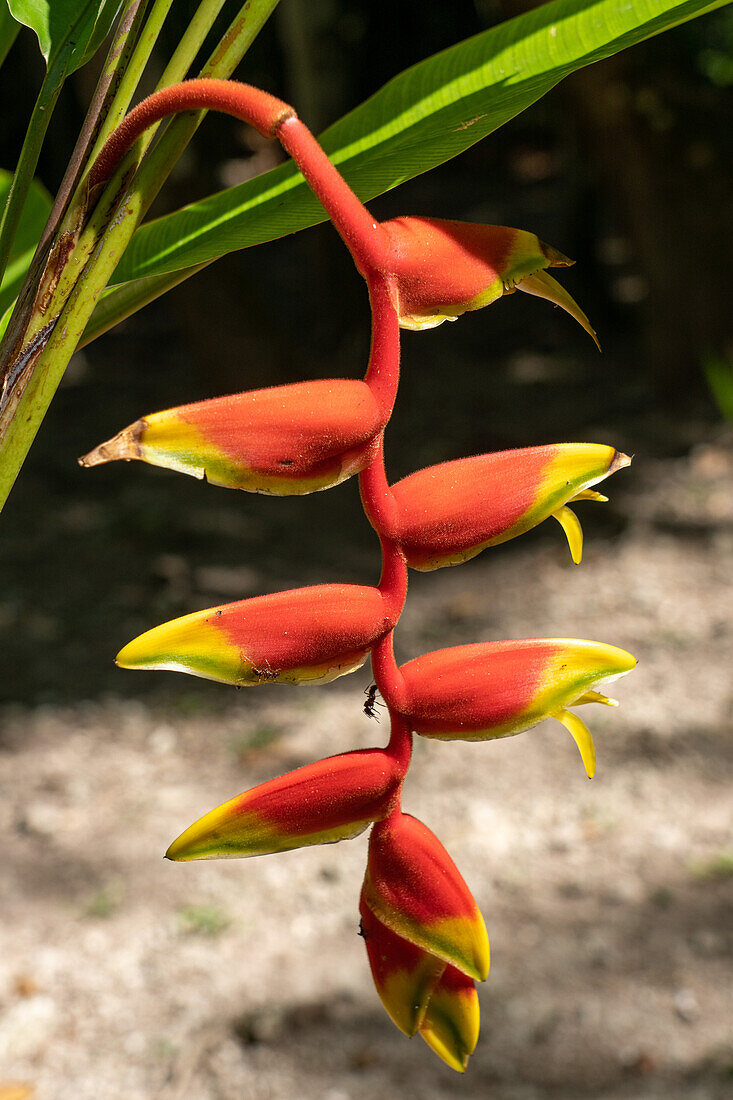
(624, 167)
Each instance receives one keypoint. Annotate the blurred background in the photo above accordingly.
(609, 913)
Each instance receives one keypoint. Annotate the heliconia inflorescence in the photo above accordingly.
(425, 937)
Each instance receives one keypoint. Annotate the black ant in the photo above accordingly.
(370, 707)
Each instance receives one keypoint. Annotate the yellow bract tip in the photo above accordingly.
(544, 286)
(450, 1053)
(581, 735)
(573, 532)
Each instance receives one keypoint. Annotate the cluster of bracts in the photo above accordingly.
(424, 934)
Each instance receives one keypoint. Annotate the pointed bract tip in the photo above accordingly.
(554, 257)
(619, 461)
(544, 286)
(125, 445)
(452, 1055)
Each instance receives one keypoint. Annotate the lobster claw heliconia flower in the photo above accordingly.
(312, 634)
(320, 803)
(425, 938)
(451, 512)
(445, 268)
(496, 689)
(284, 440)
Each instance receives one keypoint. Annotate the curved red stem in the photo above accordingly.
(363, 236)
(387, 675)
(370, 249)
(383, 371)
(271, 117)
(260, 109)
(400, 741)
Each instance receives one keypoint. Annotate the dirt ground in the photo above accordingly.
(608, 904)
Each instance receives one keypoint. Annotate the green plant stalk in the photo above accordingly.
(176, 69)
(81, 297)
(222, 63)
(122, 301)
(117, 59)
(191, 42)
(26, 167)
(176, 138)
(133, 72)
(15, 327)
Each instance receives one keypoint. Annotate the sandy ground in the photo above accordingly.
(608, 904)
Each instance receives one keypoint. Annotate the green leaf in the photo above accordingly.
(8, 30)
(69, 31)
(34, 217)
(420, 119)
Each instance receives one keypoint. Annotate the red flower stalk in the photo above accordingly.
(330, 800)
(436, 269)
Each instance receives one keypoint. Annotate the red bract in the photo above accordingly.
(445, 268)
(305, 634)
(425, 938)
(495, 689)
(414, 887)
(283, 440)
(422, 993)
(330, 800)
(449, 513)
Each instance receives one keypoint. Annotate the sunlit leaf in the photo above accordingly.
(69, 32)
(8, 30)
(420, 119)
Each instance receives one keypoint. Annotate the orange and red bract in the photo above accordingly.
(493, 689)
(283, 440)
(303, 634)
(451, 512)
(440, 263)
(450, 1025)
(320, 803)
(404, 974)
(442, 269)
(413, 886)
(421, 992)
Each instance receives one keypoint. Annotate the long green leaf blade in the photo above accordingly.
(418, 120)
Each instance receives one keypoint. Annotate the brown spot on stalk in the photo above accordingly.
(125, 445)
(15, 377)
(55, 265)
